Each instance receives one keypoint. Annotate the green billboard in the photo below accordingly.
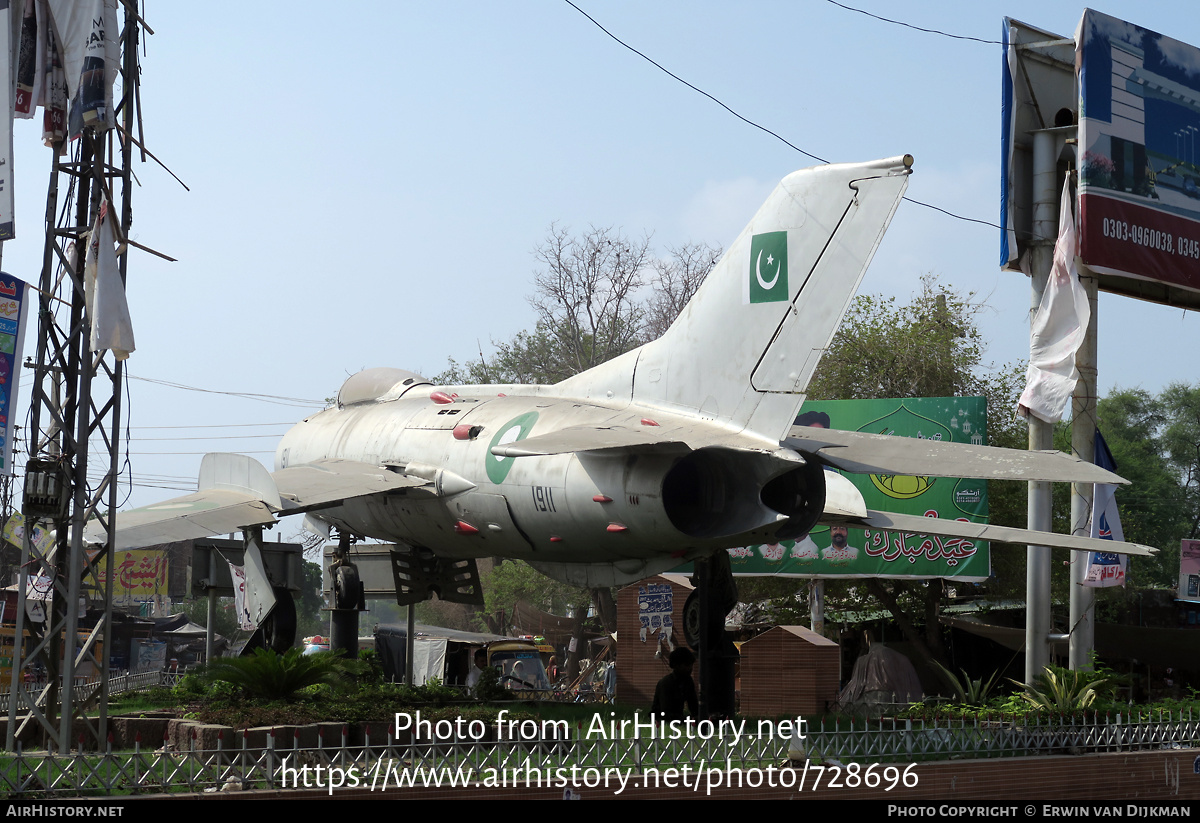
(837, 552)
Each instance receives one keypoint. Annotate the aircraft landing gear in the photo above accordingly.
(348, 600)
(278, 630)
(704, 629)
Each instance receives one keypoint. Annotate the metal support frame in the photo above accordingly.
(76, 413)
(1047, 145)
(347, 599)
(1083, 446)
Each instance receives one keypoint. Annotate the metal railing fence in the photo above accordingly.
(117, 684)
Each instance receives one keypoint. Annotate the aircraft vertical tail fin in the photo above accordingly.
(745, 346)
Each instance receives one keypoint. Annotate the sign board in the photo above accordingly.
(6, 133)
(141, 575)
(1135, 95)
(1038, 81)
(656, 602)
(14, 317)
(1139, 193)
(1189, 571)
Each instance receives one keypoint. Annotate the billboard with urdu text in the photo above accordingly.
(872, 553)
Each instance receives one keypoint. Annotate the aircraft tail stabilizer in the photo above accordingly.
(743, 349)
(963, 530)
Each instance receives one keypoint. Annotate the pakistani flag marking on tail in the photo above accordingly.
(768, 267)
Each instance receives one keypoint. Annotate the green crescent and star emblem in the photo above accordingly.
(768, 267)
(516, 429)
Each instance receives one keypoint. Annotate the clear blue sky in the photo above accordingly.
(368, 180)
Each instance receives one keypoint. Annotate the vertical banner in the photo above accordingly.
(14, 533)
(88, 32)
(6, 139)
(14, 315)
(1105, 568)
(238, 575)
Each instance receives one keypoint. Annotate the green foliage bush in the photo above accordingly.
(489, 688)
(432, 692)
(269, 675)
(1062, 690)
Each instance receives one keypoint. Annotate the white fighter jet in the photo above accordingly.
(676, 450)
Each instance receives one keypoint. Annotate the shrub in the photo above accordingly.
(489, 688)
(1059, 689)
(273, 676)
(969, 692)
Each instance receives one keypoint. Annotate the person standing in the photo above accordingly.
(675, 694)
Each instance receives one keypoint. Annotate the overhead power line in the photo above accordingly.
(693, 88)
(916, 28)
(288, 423)
(768, 131)
(266, 398)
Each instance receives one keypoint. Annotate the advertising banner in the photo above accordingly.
(839, 552)
(1189, 570)
(1105, 568)
(14, 532)
(1037, 82)
(141, 575)
(1139, 193)
(14, 316)
(655, 605)
(6, 134)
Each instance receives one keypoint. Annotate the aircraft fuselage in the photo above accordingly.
(602, 505)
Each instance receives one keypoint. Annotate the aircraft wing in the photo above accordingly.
(595, 438)
(207, 513)
(237, 502)
(913, 524)
(326, 483)
(865, 453)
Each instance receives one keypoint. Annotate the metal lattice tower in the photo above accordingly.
(76, 411)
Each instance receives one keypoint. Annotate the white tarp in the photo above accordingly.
(238, 575)
(260, 598)
(1058, 330)
(106, 303)
(429, 659)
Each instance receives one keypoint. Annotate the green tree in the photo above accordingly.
(310, 619)
(1148, 437)
(514, 581)
(1181, 438)
(225, 623)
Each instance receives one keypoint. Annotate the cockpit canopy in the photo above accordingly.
(378, 385)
